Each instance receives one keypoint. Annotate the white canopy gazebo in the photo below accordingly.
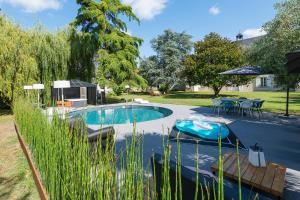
(61, 84)
(38, 87)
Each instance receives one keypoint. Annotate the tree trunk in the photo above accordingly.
(103, 98)
(217, 90)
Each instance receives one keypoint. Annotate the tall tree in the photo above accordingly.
(283, 36)
(212, 56)
(83, 50)
(165, 67)
(17, 65)
(30, 56)
(117, 50)
(51, 52)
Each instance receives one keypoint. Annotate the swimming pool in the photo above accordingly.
(121, 114)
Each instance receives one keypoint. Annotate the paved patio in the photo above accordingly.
(279, 137)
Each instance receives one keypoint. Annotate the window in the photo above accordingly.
(263, 82)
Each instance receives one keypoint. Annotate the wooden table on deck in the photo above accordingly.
(269, 179)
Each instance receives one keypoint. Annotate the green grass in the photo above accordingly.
(274, 101)
(16, 180)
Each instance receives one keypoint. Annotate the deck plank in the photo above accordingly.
(215, 165)
(258, 176)
(249, 173)
(229, 162)
(234, 169)
(244, 167)
(279, 180)
(268, 179)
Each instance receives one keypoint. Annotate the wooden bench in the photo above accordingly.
(66, 104)
(269, 179)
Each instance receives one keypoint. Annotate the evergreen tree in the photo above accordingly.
(117, 51)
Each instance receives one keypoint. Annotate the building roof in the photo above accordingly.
(249, 41)
(79, 83)
(246, 70)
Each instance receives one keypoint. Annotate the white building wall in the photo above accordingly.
(254, 85)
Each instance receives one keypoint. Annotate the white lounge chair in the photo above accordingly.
(141, 101)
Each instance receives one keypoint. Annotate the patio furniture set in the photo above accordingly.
(240, 105)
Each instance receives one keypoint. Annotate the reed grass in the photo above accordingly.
(71, 168)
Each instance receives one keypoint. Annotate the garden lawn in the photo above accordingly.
(274, 101)
(16, 181)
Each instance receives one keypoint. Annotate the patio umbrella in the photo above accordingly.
(28, 88)
(293, 67)
(38, 87)
(62, 84)
(293, 61)
(245, 70)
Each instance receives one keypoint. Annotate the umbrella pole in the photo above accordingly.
(287, 101)
(38, 98)
(62, 97)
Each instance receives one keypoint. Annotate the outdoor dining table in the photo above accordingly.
(234, 99)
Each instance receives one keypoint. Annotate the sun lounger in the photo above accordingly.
(105, 134)
(141, 101)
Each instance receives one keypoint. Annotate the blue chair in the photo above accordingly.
(257, 105)
(228, 105)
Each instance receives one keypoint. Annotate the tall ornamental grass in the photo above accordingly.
(71, 168)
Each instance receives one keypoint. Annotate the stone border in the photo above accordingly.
(35, 173)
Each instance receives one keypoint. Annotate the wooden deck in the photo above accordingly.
(269, 179)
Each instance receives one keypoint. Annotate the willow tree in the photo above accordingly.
(83, 50)
(17, 65)
(116, 50)
(51, 52)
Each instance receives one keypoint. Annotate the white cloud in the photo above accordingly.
(146, 9)
(214, 10)
(128, 32)
(255, 32)
(33, 6)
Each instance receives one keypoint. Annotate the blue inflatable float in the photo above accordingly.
(204, 129)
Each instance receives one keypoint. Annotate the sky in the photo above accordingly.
(195, 17)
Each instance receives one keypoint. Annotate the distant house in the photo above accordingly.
(260, 83)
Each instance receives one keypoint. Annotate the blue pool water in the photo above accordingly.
(203, 129)
(122, 114)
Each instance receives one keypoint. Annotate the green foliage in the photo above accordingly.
(163, 88)
(51, 52)
(17, 64)
(27, 57)
(117, 51)
(82, 56)
(166, 67)
(71, 168)
(212, 56)
(283, 36)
